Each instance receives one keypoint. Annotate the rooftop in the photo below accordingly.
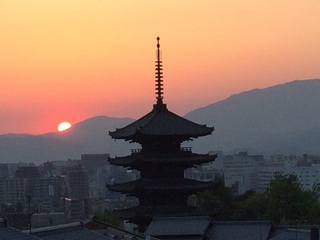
(177, 226)
(10, 233)
(71, 231)
(161, 122)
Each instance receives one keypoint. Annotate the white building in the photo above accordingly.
(307, 171)
(241, 170)
(207, 172)
(268, 170)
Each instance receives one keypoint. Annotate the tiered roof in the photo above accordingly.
(162, 188)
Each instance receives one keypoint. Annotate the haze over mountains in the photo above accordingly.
(280, 119)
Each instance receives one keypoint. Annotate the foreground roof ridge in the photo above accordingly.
(56, 227)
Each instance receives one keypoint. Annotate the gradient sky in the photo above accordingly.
(71, 60)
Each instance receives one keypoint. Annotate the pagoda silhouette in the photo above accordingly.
(162, 189)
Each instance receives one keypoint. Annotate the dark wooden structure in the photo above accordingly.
(162, 189)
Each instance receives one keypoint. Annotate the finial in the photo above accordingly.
(159, 84)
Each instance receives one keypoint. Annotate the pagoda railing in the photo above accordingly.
(136, 151)
(182, 150)
(186, 149)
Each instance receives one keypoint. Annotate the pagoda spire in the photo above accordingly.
(159, 84)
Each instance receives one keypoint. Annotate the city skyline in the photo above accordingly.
(68, 61)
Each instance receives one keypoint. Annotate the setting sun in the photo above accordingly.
(64, 126)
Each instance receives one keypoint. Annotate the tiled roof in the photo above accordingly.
(284, 234)
(162, 122)
(178, 226)
(242, 230)
(9, 233)
(74, 231)
(111, 229)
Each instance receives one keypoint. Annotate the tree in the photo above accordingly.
(284, 202)
(249, 206)
(216, 202)
(289, 203)
(111, 217)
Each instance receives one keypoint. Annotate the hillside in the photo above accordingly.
(279, 119)
(89, 136)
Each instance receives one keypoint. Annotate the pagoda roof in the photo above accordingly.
(161, 122)
(187, 159)
(152, 211)
(180, 185)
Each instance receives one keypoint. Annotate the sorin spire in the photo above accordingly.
(159, 84)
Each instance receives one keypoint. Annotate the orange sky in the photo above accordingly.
(71, 60)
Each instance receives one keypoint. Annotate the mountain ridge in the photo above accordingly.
(283, 118)
(268, 119)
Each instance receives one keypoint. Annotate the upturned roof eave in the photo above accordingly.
(159, 122)
(140, 133)
(131, 129)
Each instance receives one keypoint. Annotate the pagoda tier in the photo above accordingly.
(158, 123)
(139, 161)
(162, 196)
(173, 186)
(151, 211)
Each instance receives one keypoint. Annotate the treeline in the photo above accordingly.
(284, 202)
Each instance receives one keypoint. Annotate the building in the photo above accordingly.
(78, 180)
(162, 188)
(307, 171)
(48, 191)
(207, 172)
(241, 170)
(92, 162)
(268, 170)
(96, 165)
(4, 170)
(74, 209)
(31, 173)
(13, 190)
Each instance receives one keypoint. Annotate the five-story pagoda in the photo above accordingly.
(162, 189)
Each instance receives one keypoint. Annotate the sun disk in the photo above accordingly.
(64, 126)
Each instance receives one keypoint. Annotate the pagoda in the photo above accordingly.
(162, 189)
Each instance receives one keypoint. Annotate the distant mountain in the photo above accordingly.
(279, 119)
(89, 136)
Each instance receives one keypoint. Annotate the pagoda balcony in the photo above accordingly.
(183, 150)
(187, 159)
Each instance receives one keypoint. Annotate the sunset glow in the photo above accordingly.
(79, 59)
